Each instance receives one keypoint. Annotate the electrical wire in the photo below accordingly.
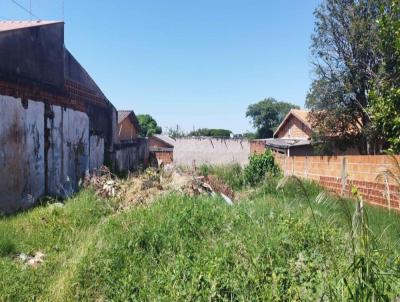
(25, 9)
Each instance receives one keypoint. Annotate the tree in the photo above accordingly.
(148, 125)
(175, 132)
(267, 114)
(384, 107)
(346, 57)
(211, 132)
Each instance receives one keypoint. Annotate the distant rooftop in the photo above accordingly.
(166, 139)
(123, 114)
(13, 25)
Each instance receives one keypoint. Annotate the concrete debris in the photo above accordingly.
(32, 261)
(142, 188)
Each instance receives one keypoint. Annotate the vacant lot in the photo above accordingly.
(271, 245)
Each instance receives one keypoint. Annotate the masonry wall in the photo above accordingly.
(257, 146)
(339, 173)
(68, 150)
(217, 151)
(44, 150)
(22, 175)
(158, 157)
(294, 128)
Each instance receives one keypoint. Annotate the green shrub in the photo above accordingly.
(259, 167)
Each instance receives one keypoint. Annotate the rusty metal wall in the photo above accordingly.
(22, 178)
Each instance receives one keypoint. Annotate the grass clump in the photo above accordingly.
(260, 167)
(232, 174)
(7, 243)
(55, 231)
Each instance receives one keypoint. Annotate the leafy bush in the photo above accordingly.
(259, 166)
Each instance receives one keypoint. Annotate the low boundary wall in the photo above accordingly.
(339, 173)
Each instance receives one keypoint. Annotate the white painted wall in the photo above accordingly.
(68, 155)
(21, 153)
(215, 151)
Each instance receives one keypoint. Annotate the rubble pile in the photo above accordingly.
(142, 188)
(31, 260)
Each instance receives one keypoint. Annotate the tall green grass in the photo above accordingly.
(270, 246)
(55, 231)
(231, 174)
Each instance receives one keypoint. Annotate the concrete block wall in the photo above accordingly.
(189, 151)
(340, 173)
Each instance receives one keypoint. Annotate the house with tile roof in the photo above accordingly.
(293, 136)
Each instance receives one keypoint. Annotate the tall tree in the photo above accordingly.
(267, 114)
(346, 58)
(148, 125)
(385, 97)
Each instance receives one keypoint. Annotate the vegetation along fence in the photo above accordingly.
(340, 173)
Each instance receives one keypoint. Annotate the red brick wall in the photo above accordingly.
(339, 173)
(165, 156)
(294, 128)
(74, 96)
(257, 146)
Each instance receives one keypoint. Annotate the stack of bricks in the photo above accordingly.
(340, 173)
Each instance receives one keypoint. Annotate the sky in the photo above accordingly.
(192, 63)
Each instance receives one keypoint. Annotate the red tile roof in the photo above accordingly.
(14, 25)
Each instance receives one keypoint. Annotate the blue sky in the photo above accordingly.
(193, 63)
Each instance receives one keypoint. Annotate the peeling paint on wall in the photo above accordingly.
(96, 150)
(21, 153)
(68, 154)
